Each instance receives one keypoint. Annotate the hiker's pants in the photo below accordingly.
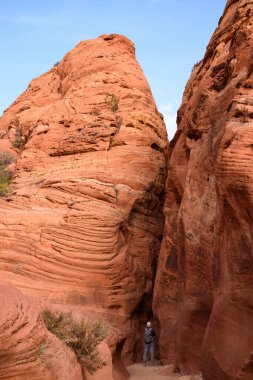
(147, 348)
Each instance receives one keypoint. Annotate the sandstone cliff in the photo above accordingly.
(203, 294)
(82, 222)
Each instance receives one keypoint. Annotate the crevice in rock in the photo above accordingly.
(156, 147)
(194, 134)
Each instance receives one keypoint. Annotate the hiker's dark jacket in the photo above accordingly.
(149, 335)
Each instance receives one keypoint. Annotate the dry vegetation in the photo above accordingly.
(5, 174)
(112, 101)
(17, 143)
(82, 337)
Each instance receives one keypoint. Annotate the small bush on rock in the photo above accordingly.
(6, 159)
(17, 143)
(5, 179)
(113, 101)
(5, 175)
(82, 337)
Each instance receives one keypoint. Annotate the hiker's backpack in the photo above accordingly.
(148, 335)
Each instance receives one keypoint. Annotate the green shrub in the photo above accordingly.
(113, 101)
(83, 337)
(5, 175)
(5, 179)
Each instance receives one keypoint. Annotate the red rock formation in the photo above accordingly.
(82, 224)
(28, 350)
(204, 286)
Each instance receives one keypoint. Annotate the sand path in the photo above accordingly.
(138, 372)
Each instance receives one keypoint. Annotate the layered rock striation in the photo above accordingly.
(28, 350)
(203, 294)
(82, 222)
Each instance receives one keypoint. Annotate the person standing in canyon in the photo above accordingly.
(149, 335)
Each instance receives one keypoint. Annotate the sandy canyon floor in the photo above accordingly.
(138, 372)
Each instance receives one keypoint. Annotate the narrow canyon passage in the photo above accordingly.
(101, 217)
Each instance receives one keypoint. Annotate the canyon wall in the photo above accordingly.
(203, 297)
(81, 222)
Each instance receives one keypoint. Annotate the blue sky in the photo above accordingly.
(170, 37)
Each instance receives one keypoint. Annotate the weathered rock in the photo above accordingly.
(83, 222)
(204, 286)
(27, 349)
(111, 354)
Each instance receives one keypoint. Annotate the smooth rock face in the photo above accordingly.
(28, 350)
(83, 223)
(204, 286)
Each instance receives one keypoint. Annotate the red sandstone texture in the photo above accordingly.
(203, 295)
(28, 350)
(83, 222)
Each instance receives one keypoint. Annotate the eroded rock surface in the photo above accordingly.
(204, 286)
(27, 349)
(82, 224)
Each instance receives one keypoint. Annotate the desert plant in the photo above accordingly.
(82, 337)
(42, 350)
(113, 101)
(5, 175)
(6, 158)
(5, 179)
(17, 143)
